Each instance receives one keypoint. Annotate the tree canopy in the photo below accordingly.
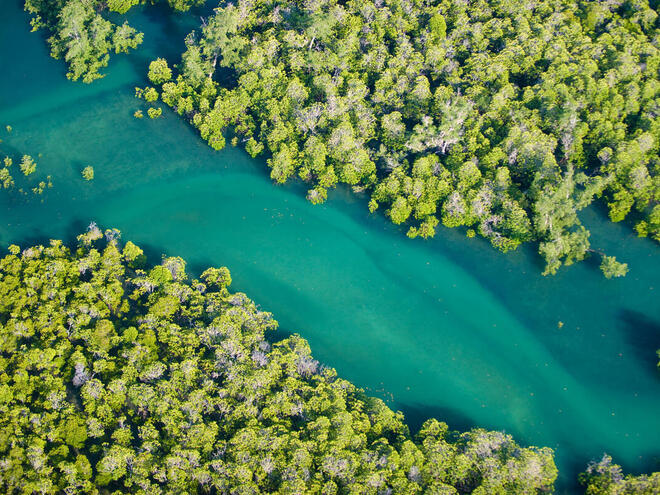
(121, 377)
(606, 478)
(506, 117)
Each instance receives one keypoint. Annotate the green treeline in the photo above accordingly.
(80, 33)
(118, 377)
(504, 117)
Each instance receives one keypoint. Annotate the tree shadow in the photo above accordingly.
(8, 149)
(37, 236)
(197, 266)
(568, 482)
(275, 336)
(643, 335)
(77, 167)
(417, 414)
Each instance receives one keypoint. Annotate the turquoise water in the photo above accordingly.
(447, 328)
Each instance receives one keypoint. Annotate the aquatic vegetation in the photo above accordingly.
(118, 375)
(88, 173)
(154, 113)
(612, 268)
(27, 165)
(5, 175)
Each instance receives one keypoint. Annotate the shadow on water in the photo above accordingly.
(417, 414)
(154, 254)
(273, 337)
(593, 261)
(197, 266)
(10, 150)
(77, 167)
(449, 241)
(168, 42)
(572, 486)
(643, 335)
(38, 236)
(74, 229)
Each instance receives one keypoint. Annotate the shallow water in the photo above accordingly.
(447, 328)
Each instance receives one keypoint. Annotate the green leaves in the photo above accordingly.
(612, 268)
(126, 38)
(159, 71)
(88, 173)
(74, 431)
(154, 113)
(605, 478)
(121, 6)
(27, 165)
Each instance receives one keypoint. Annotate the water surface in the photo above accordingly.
(447, 328)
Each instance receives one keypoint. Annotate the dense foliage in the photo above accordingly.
(606, 478)
(118, 376)
(81, 33)
(506, 117)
